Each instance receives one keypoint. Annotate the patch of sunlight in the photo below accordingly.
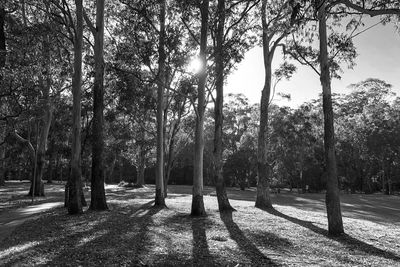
(18, 249)
(88, 239)
(140, 213)
(312, 201)
(38, 208)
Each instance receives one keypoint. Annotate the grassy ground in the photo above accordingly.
(133, 233)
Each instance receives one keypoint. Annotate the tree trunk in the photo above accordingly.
(110, 170)
(160, 198)
(47, 116)
(50, 170)
(263, 199)
(335, 223)
(74, 183)
(222, 197)
(197, 198)
(2, 65)
(141, 166)
(98, 196)
(3, 51)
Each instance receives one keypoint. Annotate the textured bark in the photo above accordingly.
(160, 198)
(335, 223)
(197, 199)
(98, 196)
(2, 65)
(263, 199)
(141, 166)
(3, 54)
(2, 160)
(50, 169)
(222, 197)
(74, 183)
(46, 118)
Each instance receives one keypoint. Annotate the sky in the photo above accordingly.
(378, 57)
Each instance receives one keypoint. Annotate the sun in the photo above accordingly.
(195, 65)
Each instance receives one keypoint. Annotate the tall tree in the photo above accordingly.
(197, 199)
(2, 65)
(335, 223)
(278, 20)
(98, 196)
(74, 183)
(223, 201)
(160, 197)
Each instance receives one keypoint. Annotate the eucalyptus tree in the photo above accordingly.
(75, 184)
(233, 24)
(97, 195)
(278, 20)
(197, 199)
(322, 9)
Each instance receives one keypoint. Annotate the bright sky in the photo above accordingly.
(379, 57)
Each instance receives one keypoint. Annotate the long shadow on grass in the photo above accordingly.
(246, 246)
(116, 239)
(201, 255)
(345, 239)
(201, 252)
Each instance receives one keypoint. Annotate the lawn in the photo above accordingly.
(134, 233)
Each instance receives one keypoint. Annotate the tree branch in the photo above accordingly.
(370, 11)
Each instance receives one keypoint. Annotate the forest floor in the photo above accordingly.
(134, 233)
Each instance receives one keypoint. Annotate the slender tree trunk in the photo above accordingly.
(74, 184)
(197, 198)
(263, 199)
(98, 196)
(160, 198)
(170, 160)
(2, 65)
(335, 223)
(2, 160)
(141, 166)
(50, 169)
(111, 169)
(222, 197)
(46, 120)
(3, 52)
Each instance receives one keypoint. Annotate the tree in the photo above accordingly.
(160, 198)
(197, 199)
(223, 201)
(74, 182)
(335, 223)
(275, 27)
(97, 196)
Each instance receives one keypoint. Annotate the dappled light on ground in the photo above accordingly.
(135, 233)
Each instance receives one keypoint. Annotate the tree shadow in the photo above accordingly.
(246, 246)
(201, 255)
(346, 240)
(201, 252)
(127, 239)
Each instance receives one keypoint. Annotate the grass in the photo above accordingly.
(134, 233)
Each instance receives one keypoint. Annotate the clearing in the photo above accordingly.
(133, 233)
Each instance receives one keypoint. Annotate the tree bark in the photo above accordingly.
(222, 197)
(47, 117)
(50, 169)
(2, 65)
(3, 52)
(160, 198)
(197, 198)
(141, 166)
(98, 196)
(74, 184)
(263, 199)
(335, 224)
